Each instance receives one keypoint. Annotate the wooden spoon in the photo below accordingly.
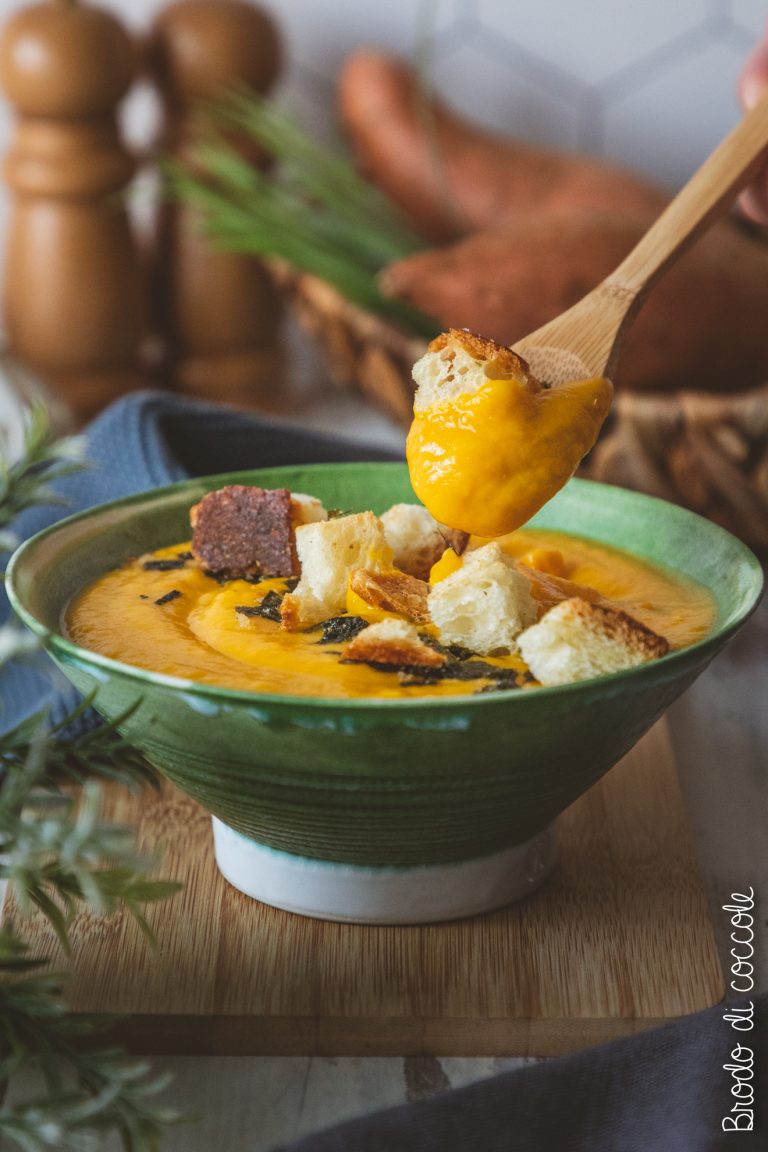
(585, 341)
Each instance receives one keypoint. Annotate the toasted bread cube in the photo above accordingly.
(417, 540)
(549, 590)
(393, 642)
(459, 362)
(392, 592)
(306, 509)
(327, 551)
(577, 640)
(485, 605)
(241, 530)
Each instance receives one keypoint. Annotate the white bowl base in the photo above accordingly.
(361, 894)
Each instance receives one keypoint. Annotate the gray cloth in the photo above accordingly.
(662, 1091)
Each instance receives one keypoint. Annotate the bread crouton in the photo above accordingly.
(417, 540)
(576, 640)
(392, 592)
(549, 589)
(393, 642)
(245, 531)
(485, 604)
(327, 551)
(306, 509)
(459, 361)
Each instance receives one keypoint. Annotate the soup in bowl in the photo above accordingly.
(367, 798)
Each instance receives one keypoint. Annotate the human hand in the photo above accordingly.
(753, 83)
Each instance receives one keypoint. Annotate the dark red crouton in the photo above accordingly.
(240, 531)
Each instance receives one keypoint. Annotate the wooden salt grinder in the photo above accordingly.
(72, 280)
(218, 311)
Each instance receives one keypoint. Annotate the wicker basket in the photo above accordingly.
(707, 451)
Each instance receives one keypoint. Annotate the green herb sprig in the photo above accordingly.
(58, 856)
(26, 482)
(313, 211)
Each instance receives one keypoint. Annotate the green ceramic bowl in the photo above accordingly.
(382, 782)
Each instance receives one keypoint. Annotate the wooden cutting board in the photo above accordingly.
(618, 940)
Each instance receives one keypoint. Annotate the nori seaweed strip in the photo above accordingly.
(412, 677)
(291, 583)
(269, 607)
(460, 652)
(479, 670)
(469, 670)
(453, 651)
(500, 685)
(184, 556)
(340, 628)
(172, 595)
(417, 675)
(421, 673)
(164, 565)
(248, 578)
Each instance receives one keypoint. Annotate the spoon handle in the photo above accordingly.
(705, 197)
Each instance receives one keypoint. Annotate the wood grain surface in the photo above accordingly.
(617, 941)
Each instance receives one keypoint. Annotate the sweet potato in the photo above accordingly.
(703, 326)
(460, 178)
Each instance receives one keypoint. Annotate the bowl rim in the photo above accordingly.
(74, 653)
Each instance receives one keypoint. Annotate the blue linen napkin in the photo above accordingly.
(144, 441)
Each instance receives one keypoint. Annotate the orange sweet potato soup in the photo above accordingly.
(490, 444)
(487, 461)
(164, 613)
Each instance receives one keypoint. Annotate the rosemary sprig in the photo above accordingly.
(77, 755)
(87, 1094)
(314, 211)
(52, 849)
(26, 483)
(59, 856)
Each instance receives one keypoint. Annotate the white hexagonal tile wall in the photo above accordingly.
(593, 39)
(319, 34)
(751, 15)
(484, 84)
(666, 125)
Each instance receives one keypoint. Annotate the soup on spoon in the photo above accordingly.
(489, 444)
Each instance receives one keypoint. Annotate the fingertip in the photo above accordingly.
(754, 77)
(753, 203)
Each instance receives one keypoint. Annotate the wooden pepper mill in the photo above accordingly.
(218, 311)
(73, 307)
